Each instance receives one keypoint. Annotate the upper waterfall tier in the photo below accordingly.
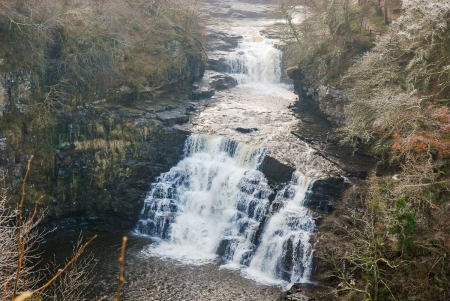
(216, 203)
(258, 110)
(256, 60)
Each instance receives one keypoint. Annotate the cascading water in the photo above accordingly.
(215, 203)
(256, 60)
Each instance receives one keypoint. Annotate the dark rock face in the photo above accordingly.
(324, 194)
(332, 103)
(330, 100)
(102, 161)
(220, 41)
(218, 45)
(225, 246)
(245, 130)
(217, 62)
(211, 82)
(275, 171)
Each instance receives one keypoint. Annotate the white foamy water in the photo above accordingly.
(260, 102)
(289, 230)
(215, 203)
(256, 61)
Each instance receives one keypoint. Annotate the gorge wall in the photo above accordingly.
(93, 167)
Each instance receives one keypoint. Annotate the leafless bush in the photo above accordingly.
(9, 253)
(325, 42)
(392, 85)
(73, 283)
(75, 51)
(19, 278)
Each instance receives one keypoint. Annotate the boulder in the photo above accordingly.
(323, 194)
(217, 61)
(170, 118)
(275, 171)
(220, 41)
(246, 130)
(211, 82)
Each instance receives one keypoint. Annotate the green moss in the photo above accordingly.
(404, 225)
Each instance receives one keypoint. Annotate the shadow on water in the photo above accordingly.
(151, 278)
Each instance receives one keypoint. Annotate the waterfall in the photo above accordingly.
(256, 60)
(215, 203)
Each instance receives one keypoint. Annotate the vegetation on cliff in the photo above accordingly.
(70, 73)
(393, 233)
(333, 33)
(73, 52)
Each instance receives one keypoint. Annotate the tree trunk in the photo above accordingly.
(386, 19)
(347, 21)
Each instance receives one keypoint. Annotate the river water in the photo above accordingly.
(212, 228)
(216, 204)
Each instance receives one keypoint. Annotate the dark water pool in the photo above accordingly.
(152, 278)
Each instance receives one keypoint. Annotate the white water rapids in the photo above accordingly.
(216, 203)
(256, 61)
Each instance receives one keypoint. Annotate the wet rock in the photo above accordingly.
(329, 100)
(324, 194)
(202, 92)
(277, 206)
(219, 81)
(245, 130)
(217, 62)
(225, 247)
(220, 41)
(171, 118)
(275, 171)
(270, 34)
(284, 269)
(258, 234)
(190, 109)
(211, 82)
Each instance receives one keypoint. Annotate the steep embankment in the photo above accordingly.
(94, 101)
(390, 231)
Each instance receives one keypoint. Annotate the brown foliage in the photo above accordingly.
(76, 50)
(433, 140)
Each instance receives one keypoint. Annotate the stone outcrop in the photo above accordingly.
(323, 194)
(103, 160)
(330, 100)
(275, 171)
(239, 9)
(332, 103)
(220, 41)
(211, 82)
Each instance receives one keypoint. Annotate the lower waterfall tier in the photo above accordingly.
(215, 203)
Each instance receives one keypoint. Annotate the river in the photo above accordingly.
(213, 227)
